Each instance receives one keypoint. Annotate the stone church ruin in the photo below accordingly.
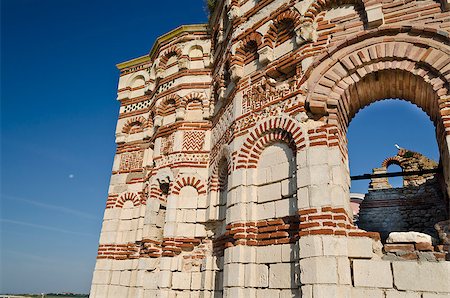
(231, 175)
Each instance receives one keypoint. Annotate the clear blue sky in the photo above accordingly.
(58, 115)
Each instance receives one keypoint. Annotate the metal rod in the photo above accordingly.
(396, 174)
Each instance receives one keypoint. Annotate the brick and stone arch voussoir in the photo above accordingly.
(189, 180)
(266, 132)
(332, 76)
(135, 124)
(134, 198)
(216, 172)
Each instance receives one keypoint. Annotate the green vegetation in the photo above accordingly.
(211, 4)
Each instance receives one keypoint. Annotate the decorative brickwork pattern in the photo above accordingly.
(131, 161)
(193, 140)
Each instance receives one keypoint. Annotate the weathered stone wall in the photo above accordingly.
(417, 206)
(231, 171)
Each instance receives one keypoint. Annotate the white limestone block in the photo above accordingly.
(181, 280)
(125, 277)
(165, 279)
(268, 254)
(103, 264)
(208, 280)
(269, 192)
(196, 280)
(256, 275)
(334, 245)
(312, 270)
(101, 277)
(320, 174)
(317, 155)
(264, 293)
(150, 280)
(331, 291)
(398, 294)
(366, 293)
(289, 252)
(282, 276)
(185, 230)
(115, 278)
(319, 195)
(310, 246)
(265, 211)
(291, 293)
(408, 237)
(284, 207)
(428, 276)
(435, 295)
(234, 275)
(303, 198)
(359, 247)
(343, 269)
(372, 273)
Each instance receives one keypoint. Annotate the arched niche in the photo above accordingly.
(276, 180)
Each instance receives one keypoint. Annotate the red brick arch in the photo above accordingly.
(172, 51)
(165, 107)
(134, 124)
(395, 160)
(400, 58)
(243, 53)
(216, 175)
(268, 132)
(271, 35)
(129, 196)
(193, 97)
(193, 181)
(321, 5)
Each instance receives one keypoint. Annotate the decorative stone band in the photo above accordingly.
(324, 221)
(195, 248)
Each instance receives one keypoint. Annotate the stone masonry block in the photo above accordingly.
(334, 246)
(181, 280)
(320, 174)
(310, 246)
(291, 293)
(430, 277)
(318, 270)
(264, 293)
(240, 254)
(196, 281)
(343, 268)
(435, 295)
(359, 247)
(101, 277)
(317, 155)
(320, 291)
(366, 293)
(165, 279)
(282, 276)
(265, 211)
(234, 275)
(269, 192)
(256, 275)
(289, 252)
(371, 273)
(268, 254)
(397, 294)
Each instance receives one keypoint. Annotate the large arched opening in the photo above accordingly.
(410, 65)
